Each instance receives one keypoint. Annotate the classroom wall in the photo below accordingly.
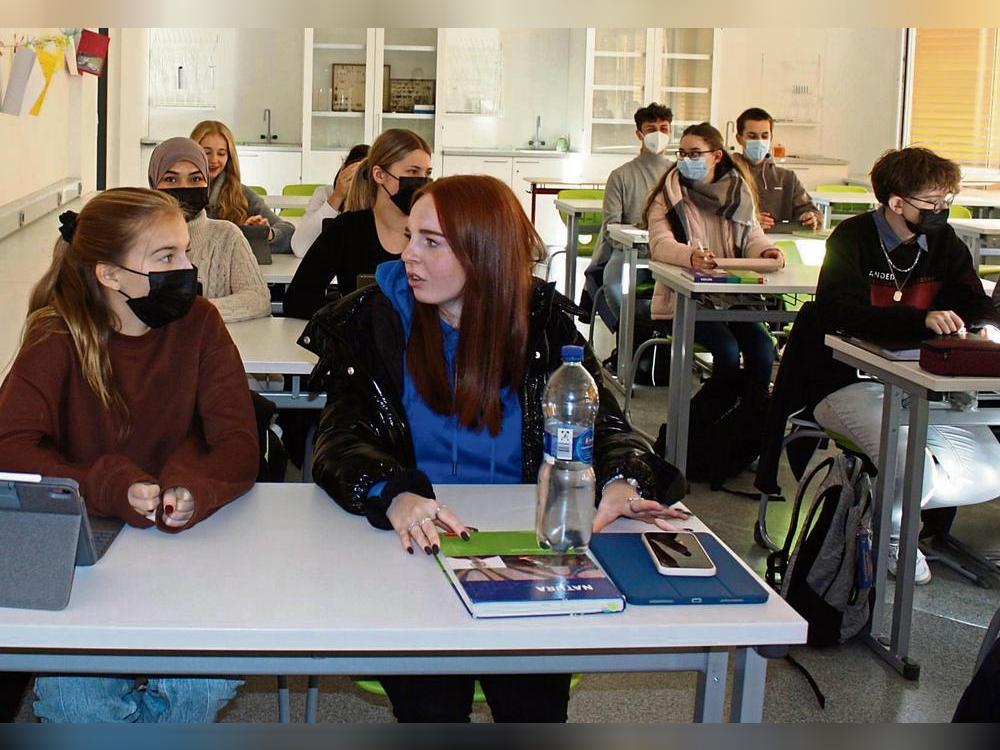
(58, 144)
(861, 78)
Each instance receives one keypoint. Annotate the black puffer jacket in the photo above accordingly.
(364, 437)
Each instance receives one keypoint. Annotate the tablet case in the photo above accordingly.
(626, 560)
(256, 236)
(39, 531)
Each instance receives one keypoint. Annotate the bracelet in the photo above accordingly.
(633, 482)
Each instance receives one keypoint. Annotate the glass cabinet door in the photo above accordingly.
(339, 88)
(619, 86)
(409, 80)
(686, 75)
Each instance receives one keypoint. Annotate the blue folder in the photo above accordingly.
(624, 557)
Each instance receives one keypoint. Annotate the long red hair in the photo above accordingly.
(496, 246)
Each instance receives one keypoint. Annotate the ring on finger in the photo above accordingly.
(422, 521)
(413, 525)
(438, 508)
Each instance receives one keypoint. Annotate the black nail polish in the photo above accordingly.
(435, 549)
(410, 550)
(465, 536)
(427, 550)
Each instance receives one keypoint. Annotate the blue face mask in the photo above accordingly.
(757, 149)
(693, 169)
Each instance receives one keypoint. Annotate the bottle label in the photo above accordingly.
(562, 446)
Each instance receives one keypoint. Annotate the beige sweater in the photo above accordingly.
(227, 269)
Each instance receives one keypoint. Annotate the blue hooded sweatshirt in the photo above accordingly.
(446, 452)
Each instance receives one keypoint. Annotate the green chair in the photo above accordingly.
(374, 687)
(306, 189)
(586, 243)
(959, 212)
(261, 191)
(845, 210)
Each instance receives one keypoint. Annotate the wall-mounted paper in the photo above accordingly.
(70, 49)
(25, 85)
(49, 60)
(92, 51)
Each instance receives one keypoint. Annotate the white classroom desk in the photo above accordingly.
(555, 185)
(281, 269)
(790, 280)
(977, 200)
(575, 208)
(282, 581)
(903, 378)
(981, 235)
(286, 201)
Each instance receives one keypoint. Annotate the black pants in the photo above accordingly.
(448, 698)
(12, 686)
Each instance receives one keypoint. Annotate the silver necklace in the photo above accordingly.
(897, 296)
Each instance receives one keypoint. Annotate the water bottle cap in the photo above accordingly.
(572, 353)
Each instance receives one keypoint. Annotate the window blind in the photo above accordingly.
(956, 94)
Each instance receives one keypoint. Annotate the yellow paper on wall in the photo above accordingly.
(49, 59)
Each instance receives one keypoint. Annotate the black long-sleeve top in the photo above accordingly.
(347, 247)
(856, 287)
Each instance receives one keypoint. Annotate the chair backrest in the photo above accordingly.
(588, 219)
(261, 191)
(791, 252)
(304, 189)
(841, 189)
(959, 212)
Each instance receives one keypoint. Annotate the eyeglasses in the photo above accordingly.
(682, 154)
(936, 205)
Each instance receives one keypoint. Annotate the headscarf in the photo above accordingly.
(172, 151)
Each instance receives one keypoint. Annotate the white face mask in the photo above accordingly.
(655, 142)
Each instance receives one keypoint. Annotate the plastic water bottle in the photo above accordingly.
(565, 488)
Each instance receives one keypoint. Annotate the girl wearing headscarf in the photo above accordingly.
(227, 269)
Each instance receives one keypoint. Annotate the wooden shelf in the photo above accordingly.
(408, 115)
(685, 56)
(603, 53)
(609, 87)
(338, 114)
(410, 48)
(338, 45)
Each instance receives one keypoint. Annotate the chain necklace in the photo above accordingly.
(897, 296)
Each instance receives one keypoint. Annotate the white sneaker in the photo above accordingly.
(922, 574)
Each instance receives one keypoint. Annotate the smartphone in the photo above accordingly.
(678, 554)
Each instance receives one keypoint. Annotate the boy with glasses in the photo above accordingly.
(782, 200)
(900, 272)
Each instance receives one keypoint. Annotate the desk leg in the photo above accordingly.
(827, 215)
(283, 709)
(572, 222)
(884, 489)
(534, 193)
(312, 699)
(749, 678)
(679, 395)
(913, 484)
(626, 323)
(710, 694)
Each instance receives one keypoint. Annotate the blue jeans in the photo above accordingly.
(70, 699)
(726, 341)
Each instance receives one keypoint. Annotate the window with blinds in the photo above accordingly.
(955, 94)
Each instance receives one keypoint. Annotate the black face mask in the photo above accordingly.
(403, 199)
(929, 222)
(192, 199)
(171, 294)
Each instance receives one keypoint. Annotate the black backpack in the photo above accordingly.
(827, 577)
(726, 429)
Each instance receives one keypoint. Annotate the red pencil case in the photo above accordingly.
(969, 356)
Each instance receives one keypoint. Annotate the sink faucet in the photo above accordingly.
(267, 119)
(537, 142)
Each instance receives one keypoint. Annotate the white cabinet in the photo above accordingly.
(269, 168)
(812, 175)
(494, 166)
(547, 219)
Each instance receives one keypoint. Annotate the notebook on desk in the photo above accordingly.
(897, 350)
(627, 561)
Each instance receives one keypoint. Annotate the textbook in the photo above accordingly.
(506, 574)
(725, 277)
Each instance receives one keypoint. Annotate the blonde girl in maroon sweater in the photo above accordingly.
(129, 383)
